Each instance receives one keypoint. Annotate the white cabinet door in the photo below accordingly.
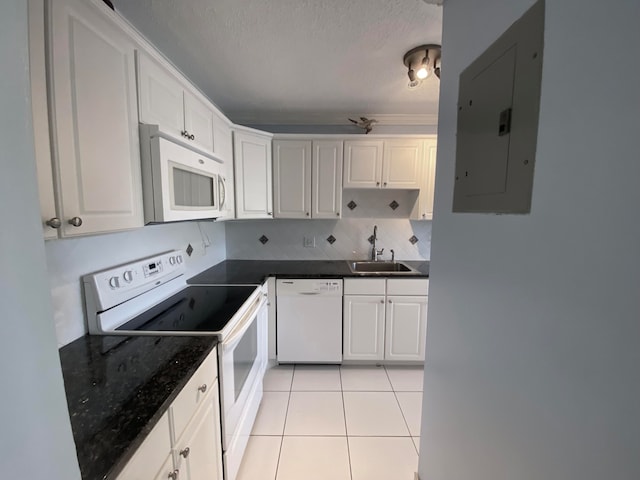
(199, 452)
(40, 113)
(292, 179)
(198, 122)
(402, 164)
(152, 459)
(362, 163)
(252, 159)
(406, 327)
(363, 327)
(327, 179)
(93, 101)
(161, 97)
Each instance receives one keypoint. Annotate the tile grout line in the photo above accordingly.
(344, 414)
(402, 412)
(293, 371)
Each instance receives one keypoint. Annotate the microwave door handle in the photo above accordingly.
(222, 191)
(230, 342)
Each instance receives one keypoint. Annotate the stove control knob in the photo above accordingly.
(128, 276)
(179, 259)
(172, 260)
(114, 282)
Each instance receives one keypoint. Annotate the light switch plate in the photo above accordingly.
(309, 242)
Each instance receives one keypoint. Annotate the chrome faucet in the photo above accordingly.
(374, 251)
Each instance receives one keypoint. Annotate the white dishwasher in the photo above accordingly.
(309, 320)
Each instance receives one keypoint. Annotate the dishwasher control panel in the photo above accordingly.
(307, 286)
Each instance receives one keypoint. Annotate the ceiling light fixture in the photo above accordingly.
(421, 61)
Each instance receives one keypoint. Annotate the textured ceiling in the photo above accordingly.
(296, 61)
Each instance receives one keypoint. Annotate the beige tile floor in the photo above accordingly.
(338, 423)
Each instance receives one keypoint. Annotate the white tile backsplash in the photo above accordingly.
(286, 238)
(69, 259)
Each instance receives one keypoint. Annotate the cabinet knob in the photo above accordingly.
(75, 221)
(384, 184)
(307, 214)
(377, 184)
(185, 452)
(424, 215)
(54, 222)
(337, 214)
(389, 301)
(173, 475)
(270, 213)
(203, 387)
(381, 301)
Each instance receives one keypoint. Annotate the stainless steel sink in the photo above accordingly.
(381, 268)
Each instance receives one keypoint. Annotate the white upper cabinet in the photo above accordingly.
(164, 101)
(95, 120)
(362, 163)
(392, 163)
(424, 205)
(161, 97)
(402, 163)
(292, 178)
(252, 159)
(198, 122)
(38, 77)
(307, 178)
(326, 179)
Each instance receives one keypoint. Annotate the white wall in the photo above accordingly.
(534, 321)
(35, 439)
(69, 259)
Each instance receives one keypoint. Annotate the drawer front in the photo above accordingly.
(192, 395)
(408, 286)
(364, 286)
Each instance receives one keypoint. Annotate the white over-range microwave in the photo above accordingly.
(178, 182)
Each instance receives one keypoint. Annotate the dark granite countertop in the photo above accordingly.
(118, 388)
(255, 271)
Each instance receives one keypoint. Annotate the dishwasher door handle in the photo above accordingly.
(308, 293)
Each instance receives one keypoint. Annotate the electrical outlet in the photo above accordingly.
(309, 242)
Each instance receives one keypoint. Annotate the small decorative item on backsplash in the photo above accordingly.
(352, 205)
(263, 239)
(331, 239)
(394, 205)
(413, 240)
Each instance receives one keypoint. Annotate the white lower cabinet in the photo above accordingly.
(363, 327)
(406, 328)
(195, 457)
(390, 324)
(186, 442)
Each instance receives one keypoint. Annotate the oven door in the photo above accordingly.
(243, 360)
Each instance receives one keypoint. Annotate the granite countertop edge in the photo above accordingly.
(256, 271)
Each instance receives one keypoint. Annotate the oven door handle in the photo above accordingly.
(232, 340)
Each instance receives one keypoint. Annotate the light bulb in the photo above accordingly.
(422, 73)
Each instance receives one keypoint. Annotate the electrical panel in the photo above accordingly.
(498, 107)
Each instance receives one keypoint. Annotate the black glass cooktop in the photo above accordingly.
(203, 309)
